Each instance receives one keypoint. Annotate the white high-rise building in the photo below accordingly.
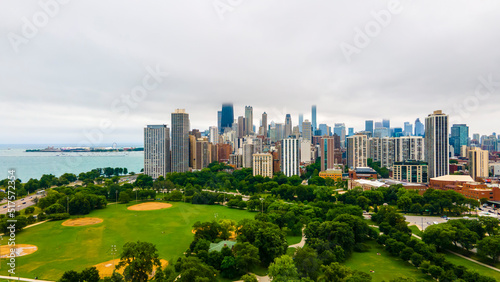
(307, 130)
(156, 150)
(409, 148)
(436, 144)
(357, 151)
(478, 163)
(214, 134)
(382, 150)
(290, 157)
(305, 151)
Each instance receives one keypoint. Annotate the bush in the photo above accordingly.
(29, 210)
(58, 216)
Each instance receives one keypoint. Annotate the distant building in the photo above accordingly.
(369, 126)
(412, 172)
(307, 130)
(386, 123)
(248, 151)
(305, 151)
(288, 126)
(313, 114)
(156, 150)
(357, 151)
(248, 120)
(335, 174)
(263, 165)
(290, 156)
(264, 124)
(408, 129)
(339, 129)
(363, 173)
(409, 148)
(180, 141)
(227, 116)
(478, 163)
(331, 153)
(223, 152)
(236, 160)
(459, 137)
(436, 144)
(419, 128)
(214, 134)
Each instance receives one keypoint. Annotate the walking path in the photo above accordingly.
(22, 279)
(301, 243)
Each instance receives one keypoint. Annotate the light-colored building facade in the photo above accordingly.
(357, 151)
(478, 163)
(263, 165)
(412, 172)
(156, 150)
(306, 130)
(305, 151)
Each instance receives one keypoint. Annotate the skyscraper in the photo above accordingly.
(219, 122)
(307, 130)
(369, 126)
(419, 128)
(248, 120)
(378, 124)
(325, 130)
(357, 151)
(339, 129)
(290, 156)
(180, 141)
(156, 150)
(288, 126)
(214, 135)
(478, 163)
(227, 116)
(408, 129)
(436, 144)
(264, 124)
(241, 127)
(386, 123)
(350, 131)
(313, 110)
(459, 137)
(331, 153)
(301, 120)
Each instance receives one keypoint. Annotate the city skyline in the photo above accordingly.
(71, 79)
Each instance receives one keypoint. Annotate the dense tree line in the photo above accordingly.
(398, 241)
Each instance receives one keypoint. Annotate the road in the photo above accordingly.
(422, 222)
(20, 204)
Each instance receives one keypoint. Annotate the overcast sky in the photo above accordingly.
(66, 71)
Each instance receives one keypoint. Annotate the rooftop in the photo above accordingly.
(461, 178)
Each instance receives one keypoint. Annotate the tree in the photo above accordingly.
(283, 269)
(138, 258)
(124, 197)
(404, 203)
(193, 269)
(435, 271)
(490, 224)
(489, 247)
(90, 274)
(441, 235)
(307, 263)
(70, 276)
(246, 255)
(249, 278)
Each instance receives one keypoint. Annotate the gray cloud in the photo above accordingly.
(280, 57)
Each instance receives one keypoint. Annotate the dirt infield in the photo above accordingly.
(21, 250)
(149, 206)
(82, 221)
(106, 268)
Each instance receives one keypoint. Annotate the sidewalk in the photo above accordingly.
(22, 279)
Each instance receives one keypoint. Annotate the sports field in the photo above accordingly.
(62, 248)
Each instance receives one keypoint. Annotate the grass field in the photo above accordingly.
(416, 231)
(472, 266)
(292, 240)
(386, 267)
(62, 248)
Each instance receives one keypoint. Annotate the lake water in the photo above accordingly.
(33, 165)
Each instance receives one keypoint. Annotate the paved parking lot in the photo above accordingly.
(424, 221)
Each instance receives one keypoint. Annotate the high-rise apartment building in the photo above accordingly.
(248, 120)
(436, 144)
(305, 151)
(227, 116)
(357, 151)
(290, 156)
(382, 150)
(156, 150)
(214, 135)
(263, 165)
(409, 148)
(307, 130)
(478, 163)
(331, 154)
(459, 137)
(180, 141)
(313, 114)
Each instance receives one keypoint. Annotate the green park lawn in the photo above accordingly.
(386, 266)
(62, 248)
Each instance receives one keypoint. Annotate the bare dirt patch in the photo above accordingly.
(20, 250)
(106, 268)
(149, 206)
(82, 221)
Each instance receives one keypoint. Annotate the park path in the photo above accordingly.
(22, 279)
(302, 241)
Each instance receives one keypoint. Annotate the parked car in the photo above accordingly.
(435, 222)
(24, 203)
